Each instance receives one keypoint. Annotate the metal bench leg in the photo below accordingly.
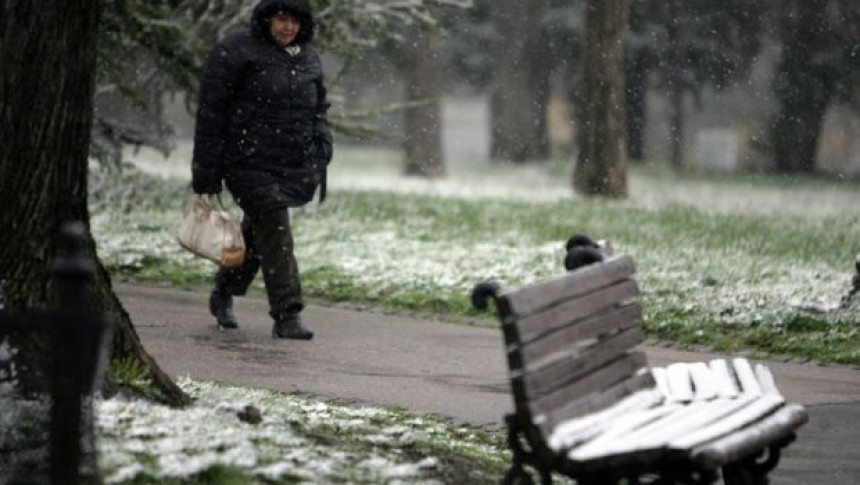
(545, 477)
(754, 469)
(516, 473)
(742, 474)
(674, 475)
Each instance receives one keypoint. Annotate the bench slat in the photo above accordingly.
(596, 381)
(538, 296)
(684, 419)
(684, 382)
(533, 326)
(680, 384)
(726, 386)
(640, 382)
(603, 323)
(746, 377)
(733, 422)
(705, 383)
(736, 446)
(614, 439)
(575, 431)
(766, 380)
(661, 380)
(692, 417)
(572, 364)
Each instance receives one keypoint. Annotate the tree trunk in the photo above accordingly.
(637, 90)
(520, 93)
(423, 143)
(601, 167)
(676, 86)
(805, 87)
(48, 54)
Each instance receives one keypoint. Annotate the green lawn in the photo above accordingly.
(732, 262)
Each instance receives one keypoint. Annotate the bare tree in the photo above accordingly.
(675, 85)
(520, 91)
(637, 98)
(818, 67)
(48, 54)
(601, 167)
(423, 72)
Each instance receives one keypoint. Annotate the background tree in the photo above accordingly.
(686, 47)
(675, 80)
(147, 49)
(423, 64)
(601, 166)
(520, 92)
(820, 66)
(150, 48)
(638, 63)
(565, 27)
(470, 35)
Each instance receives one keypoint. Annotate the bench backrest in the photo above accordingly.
(570, 343)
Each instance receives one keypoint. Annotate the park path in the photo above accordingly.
(455, 371)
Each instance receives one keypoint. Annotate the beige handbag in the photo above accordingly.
(212, 234)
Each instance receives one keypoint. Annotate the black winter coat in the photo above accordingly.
(261, 120)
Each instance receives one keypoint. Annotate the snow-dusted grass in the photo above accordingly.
(294, 440)
(298, 440)
(727, 261)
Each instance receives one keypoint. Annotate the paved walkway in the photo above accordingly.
(451, 370)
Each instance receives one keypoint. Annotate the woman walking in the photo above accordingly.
(262, 129)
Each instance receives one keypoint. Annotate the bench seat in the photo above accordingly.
(703, 416)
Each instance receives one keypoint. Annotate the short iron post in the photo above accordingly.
(75, 336)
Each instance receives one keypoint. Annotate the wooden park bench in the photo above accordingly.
(588, 406)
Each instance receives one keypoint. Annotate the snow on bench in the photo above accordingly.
(588, 406)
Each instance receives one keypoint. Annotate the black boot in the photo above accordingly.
(221, 307)
(289, 325)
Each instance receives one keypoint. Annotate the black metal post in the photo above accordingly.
(75, 336)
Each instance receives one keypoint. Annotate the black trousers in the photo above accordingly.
(268, 244)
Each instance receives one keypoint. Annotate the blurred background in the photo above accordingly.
(729, 86)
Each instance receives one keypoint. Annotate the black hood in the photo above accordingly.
(265, 9)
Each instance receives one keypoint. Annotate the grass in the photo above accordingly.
(133, 375)
(753, 266)
(298, 440)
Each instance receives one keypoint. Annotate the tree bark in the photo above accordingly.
(520, 92)
(637, 91)
(805, 85)
(423, 142)
(601, 167)
(48, 59)
(675, 84)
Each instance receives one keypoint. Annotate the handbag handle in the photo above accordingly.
(206, 200)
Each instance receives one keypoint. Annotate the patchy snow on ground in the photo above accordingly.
(390, 257)
(137, 438)
(381, 169)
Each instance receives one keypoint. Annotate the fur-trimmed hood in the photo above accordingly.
(265, 9)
